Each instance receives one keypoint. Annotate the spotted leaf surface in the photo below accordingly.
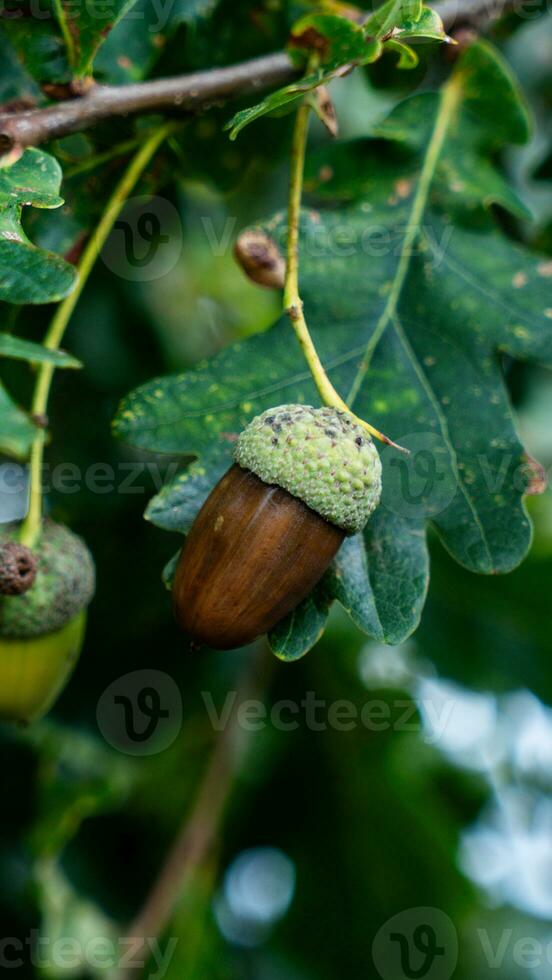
(85, 26)
(412, 311)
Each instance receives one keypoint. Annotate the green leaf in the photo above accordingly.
(39, 45)
(169, 571)
(407, 57)
(295, 635)
(64, 40)
(15, 83)
(17, 432)
(132, 48)
(427, 27)
(405, 19)
(338, 43)
(385, 18)
(465, 175)
(84, 27)
(409, 311)
(336, 40)
(25, 350)
(139, 39)
(287, 96)
(412, 9)
(29, 274)
(175, 507)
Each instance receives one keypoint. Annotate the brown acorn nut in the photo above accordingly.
(302, 480)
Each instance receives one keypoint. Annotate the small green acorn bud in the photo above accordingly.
(42, 629)
(33, 672)
(303, 478)
(64, 584)
(320, 455)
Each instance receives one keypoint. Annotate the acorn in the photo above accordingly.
(260, 258)
(303, 479)
(42, 629)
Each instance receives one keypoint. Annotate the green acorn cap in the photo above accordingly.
(64, 584)
(320, 455)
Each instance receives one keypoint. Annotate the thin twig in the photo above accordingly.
(201, 825)
(198, 91)
(30, 527)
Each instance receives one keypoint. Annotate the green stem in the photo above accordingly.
(30, 527)
(298, 153)
(293, 303)
(65, 32)
(90, 163)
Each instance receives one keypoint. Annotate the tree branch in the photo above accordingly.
(183, 93)
(187, 93)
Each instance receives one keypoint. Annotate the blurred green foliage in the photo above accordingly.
(375, 819)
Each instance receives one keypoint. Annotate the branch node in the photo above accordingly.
(75, 89)
(295, 311)
(7, 143)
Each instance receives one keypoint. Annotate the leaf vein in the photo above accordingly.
(445, 433)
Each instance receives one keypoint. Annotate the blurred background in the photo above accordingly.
(427, 796)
